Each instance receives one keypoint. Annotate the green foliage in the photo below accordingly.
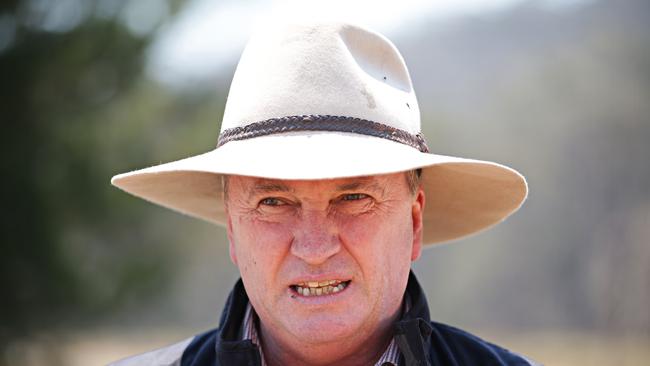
(72, 245)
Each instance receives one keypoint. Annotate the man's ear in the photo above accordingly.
(417, 214)
(231, 242)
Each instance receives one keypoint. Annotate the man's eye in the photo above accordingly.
(271, 201)
(354, 196)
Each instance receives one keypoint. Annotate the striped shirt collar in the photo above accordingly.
(390, 357)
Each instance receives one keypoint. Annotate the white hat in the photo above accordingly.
(322, 101)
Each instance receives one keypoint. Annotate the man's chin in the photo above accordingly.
(325, 328)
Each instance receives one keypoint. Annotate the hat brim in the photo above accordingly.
(463, 196)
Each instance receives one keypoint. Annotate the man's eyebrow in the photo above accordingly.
(268, 187)
(360, 183)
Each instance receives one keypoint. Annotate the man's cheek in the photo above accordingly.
(268, 237)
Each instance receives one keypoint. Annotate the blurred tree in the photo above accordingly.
(561, 94)
(67, 71)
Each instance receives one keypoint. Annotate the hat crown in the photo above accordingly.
(322, 69)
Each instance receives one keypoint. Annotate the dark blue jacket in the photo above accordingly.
(421, 341)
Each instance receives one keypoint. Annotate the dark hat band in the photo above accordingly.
(322, 123)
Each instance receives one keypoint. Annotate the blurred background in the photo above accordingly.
(558, 89)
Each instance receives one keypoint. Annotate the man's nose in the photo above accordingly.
(316, 238)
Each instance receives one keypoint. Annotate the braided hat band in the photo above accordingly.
(323, 123)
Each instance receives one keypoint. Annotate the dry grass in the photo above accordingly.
(550, 348)
(564, 348)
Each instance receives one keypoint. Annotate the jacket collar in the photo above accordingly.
(229, 347)
(412, 330)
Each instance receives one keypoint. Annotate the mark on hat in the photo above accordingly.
(370, 98)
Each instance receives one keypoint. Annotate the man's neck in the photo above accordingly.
(364, 349)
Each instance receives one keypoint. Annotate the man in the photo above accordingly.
(328, 193)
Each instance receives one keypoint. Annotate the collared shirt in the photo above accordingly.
(390, 357)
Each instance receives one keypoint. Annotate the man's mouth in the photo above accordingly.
(320, 288)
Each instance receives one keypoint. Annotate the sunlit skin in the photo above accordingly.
(364, 230)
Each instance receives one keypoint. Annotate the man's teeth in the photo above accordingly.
(314, 288)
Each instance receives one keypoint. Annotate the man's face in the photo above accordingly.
(326, 259)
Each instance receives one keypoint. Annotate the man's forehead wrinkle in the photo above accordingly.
(264, 185)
